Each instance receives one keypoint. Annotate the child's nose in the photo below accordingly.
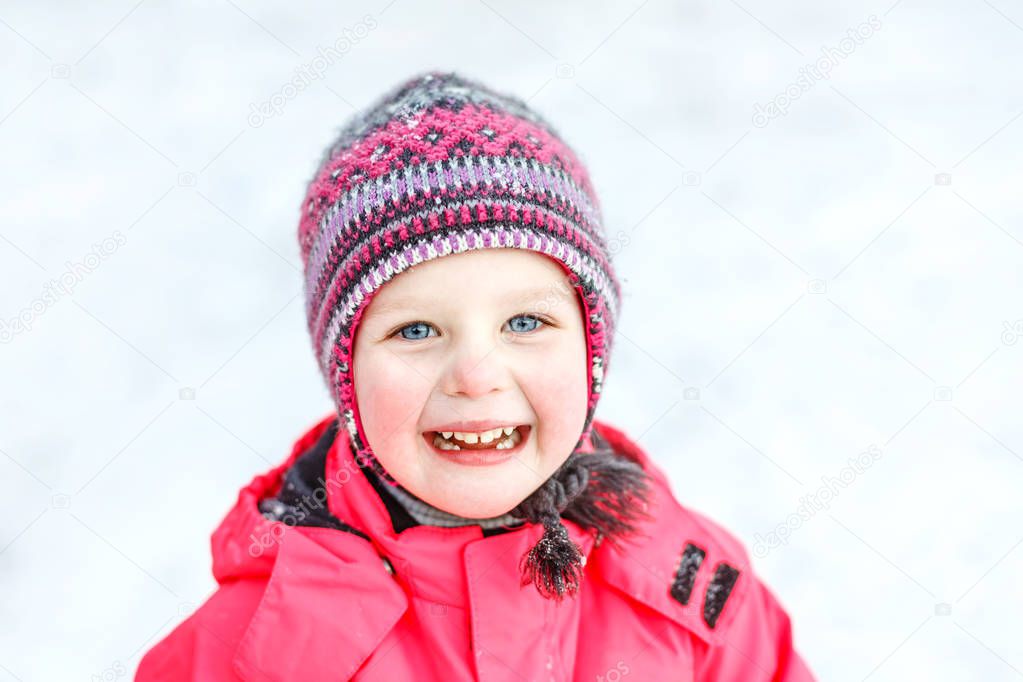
(474, 370)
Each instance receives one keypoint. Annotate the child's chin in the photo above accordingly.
(487, 508)
(474, 494)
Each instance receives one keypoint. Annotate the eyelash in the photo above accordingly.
(543, 322)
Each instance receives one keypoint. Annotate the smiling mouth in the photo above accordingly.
(504, 439)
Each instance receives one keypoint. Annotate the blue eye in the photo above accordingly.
(530, 319)
(417, 331)
(418, 327)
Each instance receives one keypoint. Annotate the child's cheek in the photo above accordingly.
(558, 393)
(391, 397)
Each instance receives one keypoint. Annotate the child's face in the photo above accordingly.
(453, 340)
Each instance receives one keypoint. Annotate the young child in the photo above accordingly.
(462, 515)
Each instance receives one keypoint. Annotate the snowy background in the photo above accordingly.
(818, 267)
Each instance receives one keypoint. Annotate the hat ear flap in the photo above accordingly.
(555, 563)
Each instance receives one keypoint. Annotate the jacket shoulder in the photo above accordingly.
(203, 645)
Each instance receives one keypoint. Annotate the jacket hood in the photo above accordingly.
(644, 567)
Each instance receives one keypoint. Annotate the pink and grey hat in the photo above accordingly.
(439, 165)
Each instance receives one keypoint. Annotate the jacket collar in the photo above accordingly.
(323, 582)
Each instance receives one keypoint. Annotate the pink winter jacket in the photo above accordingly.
(679, 602)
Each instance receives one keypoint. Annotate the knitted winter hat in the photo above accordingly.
(439, 165)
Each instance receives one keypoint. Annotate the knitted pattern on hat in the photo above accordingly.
(440, 165)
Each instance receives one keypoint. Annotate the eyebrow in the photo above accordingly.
(518, 297)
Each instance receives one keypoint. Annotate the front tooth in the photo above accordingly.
(470, 438)
(486, 436)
